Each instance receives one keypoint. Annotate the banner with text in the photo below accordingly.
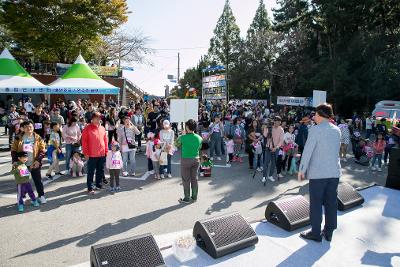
(294, 101)
(214, 87)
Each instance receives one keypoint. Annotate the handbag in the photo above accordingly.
(163, 158)
(130, 145)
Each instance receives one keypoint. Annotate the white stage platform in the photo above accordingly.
(367, 235)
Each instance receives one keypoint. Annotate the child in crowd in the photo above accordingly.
(54, 153)
(379, 147)
(229, 148)
(205, 166)
(205, 135)
(155, 158)
(257, 150)
(76, 164)
(47, 130)
(114, 165)
(149, 151)
(21, 175)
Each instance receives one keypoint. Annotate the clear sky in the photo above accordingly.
(176, 25)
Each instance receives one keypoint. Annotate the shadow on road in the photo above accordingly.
(105, 231)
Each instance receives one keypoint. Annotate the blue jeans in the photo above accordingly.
(377, 157)
(323, 192)
(129, 161)
(69, 151)
(95, 164)
(269, 162)
(215, 144)
(162, 167)
(257, 161)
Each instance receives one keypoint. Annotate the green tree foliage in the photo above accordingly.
(224, 46)
(58, 29)
(348, 48)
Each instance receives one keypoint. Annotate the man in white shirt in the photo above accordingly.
(29, 107)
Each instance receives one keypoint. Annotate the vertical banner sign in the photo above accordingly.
(214, 87)
(319, 97)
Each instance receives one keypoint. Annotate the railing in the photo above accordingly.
(134, 88)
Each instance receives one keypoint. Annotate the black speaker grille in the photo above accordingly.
(296, 208)
(141, 252)
(223, 235)
(347, 193)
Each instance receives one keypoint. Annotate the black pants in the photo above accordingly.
(111, 134)
(279, 164)
(37, 179)
(288, 160)
(114, 175)
(251, 158)
(11, 131)
(323, 192)
(95, 164)
(138, 138)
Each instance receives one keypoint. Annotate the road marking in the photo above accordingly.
(7, 195)
(215, 165)
(142, 178)
(55, 177)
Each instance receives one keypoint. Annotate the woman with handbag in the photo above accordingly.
(167, 137)
(126, 138)
(111, 125)
(71, 134)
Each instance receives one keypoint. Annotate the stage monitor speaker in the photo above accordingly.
(222, 235)
(348, 197)
(137, 251)
(394, 162)
(289, 213)
(393, 182)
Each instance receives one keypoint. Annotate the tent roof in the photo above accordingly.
(81, 76)
(13, 75)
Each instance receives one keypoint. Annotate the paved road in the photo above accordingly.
(61, 232)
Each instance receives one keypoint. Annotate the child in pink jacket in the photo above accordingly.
(114, 165)
(76, 165)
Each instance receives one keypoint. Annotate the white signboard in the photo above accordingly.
(293, 101)
(182, 110)
(319, 97)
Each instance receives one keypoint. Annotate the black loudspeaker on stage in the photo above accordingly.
(221, 235)
(393, 178)
(348, 197)
(289, 213)
(138, 251)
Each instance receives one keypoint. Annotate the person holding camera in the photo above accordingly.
(126, 138)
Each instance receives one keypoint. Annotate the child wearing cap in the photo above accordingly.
(114, 165)
(76, 164)
(21, 175)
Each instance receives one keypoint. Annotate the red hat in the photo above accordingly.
(156, 141)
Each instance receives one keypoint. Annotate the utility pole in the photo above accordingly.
(179, 68)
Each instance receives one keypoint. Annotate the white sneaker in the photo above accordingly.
(212, 158)
(169, 175)
(125, 174)
(162, 176)
(271, 179)
(43, 200)
(373, 168)
(259, 169)
(133, 174)
(263, 180)
(379, 169)
(152, 172)
(202, 174)
(280, 175)
(218, 158)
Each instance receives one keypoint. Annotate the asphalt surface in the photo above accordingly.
(61, 232)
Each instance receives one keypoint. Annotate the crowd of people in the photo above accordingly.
(101, 137)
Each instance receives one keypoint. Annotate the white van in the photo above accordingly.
(387, 109)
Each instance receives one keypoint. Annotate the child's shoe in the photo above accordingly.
(73, 174)
(162, 176)
(80, 174)
(35, 203)
(117, 189)
(112, 190)
(21, 208)
(202, 174)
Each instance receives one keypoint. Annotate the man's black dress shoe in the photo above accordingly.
(328, 236)
(310, 236)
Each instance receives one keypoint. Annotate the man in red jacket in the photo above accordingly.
(94, 146)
